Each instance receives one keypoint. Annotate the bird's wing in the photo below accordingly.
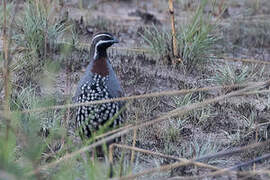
(114, 87)
(87, 77)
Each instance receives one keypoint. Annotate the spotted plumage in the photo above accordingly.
(98, 83)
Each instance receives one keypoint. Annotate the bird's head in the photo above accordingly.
(100, 42)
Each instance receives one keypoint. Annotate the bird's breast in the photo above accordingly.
(100, 67)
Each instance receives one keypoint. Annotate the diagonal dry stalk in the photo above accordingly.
(264, 170)
(177, 112)
(163, 155)
(245, 60)
(158, 94)
(189, 162)
(226, 170)
(111, 132)
(143, 50)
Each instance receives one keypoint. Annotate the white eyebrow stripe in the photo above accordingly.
(101, 35)
(99, 43)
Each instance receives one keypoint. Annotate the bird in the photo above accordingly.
(99, 82)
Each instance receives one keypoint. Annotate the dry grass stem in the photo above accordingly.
(174, 40)
(226, 170)
(78, 152)
(143, 50)
(165, 156)
(134, 138)
(219, 172)
(112, 132)
(247, 60)
(158, 94)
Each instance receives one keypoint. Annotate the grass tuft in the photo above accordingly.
(37, 34)
(229, 75)
(195, 41)
(159, 42)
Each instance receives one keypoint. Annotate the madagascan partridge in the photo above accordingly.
(98, 83)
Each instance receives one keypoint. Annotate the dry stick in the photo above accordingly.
(177, 112)
(246, 60)
(249, 174)
(111, 132)
(194, 162)
(174, 42)
(158, 94)
(256, 140)
(143, 50)
(226, 153)
(178, 164)
(111, 161)
(164, 155)
(225, 170)
(6, 70)
(257, 92)
(134, 141)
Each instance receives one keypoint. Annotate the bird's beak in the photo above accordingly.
(115, 40)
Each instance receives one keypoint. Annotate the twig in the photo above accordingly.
(111, 132)
(143, 50)
(158, 94)
(164, 156)
(248, 174)
(178, 164)
(174, 41)
(134, 142)
(225, 170)
(246, 60)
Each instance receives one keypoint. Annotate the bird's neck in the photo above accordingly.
(100, 53)
(100, 66)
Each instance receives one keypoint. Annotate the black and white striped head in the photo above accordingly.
(100, 42)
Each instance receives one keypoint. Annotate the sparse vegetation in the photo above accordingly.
(47, 53)
(195, 40)
(198, 116)
(229, 75)
(159, 42)
(37, 35)
(196, 149)
(38, 29)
